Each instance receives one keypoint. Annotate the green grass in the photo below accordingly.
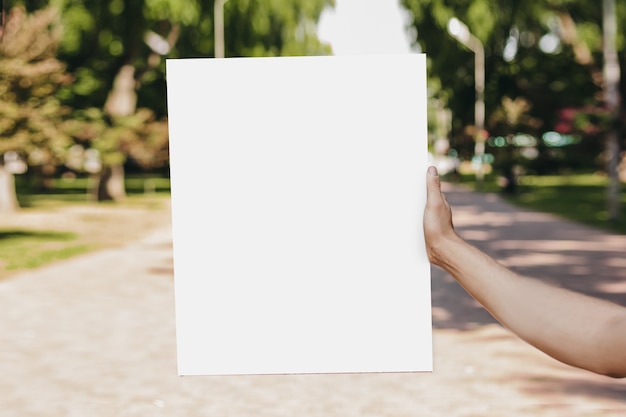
(25, 247)
(21, 249)
(75, 190)
(578, 197)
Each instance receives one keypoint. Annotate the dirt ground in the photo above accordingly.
(95, 335)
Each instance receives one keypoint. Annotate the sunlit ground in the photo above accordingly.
(579, 197)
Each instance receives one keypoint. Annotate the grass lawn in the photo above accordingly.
(63, 222)
(20, 248)
(74, 190)
(578, 197)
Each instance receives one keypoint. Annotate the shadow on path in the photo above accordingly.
(544, 247)
(538, 245)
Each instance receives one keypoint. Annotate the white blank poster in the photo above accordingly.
(298, 189)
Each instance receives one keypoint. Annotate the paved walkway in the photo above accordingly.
(94, 336)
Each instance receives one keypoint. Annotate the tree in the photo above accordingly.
(274, 27)
(115, 50)
(548, 53)
(31, 118)
(110, 48)
(516, 66)
(104, 141)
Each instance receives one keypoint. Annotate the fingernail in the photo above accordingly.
(432, 171)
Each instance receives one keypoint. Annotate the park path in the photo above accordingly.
(94, 336)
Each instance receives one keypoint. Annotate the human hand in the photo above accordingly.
(438, 227)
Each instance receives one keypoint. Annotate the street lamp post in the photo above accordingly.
(461, 32)
(218, 13)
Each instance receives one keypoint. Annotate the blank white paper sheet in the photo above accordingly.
(298, 190)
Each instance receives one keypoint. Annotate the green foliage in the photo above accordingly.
(184, 12)
(139, 136)
(83, 22)
(570, 76)
(274, 27)
(485, 16)
(100, 37)
(57, 69)
(31, 118)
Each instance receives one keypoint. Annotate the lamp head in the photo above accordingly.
(459, 30)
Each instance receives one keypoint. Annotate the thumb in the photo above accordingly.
(433, 186)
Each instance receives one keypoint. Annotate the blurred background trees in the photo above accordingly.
(545, 87)
(83, 82)
(31, 116)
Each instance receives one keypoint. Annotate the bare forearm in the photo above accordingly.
(573, 328)
(582, 331)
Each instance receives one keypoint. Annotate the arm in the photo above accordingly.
(573, 328)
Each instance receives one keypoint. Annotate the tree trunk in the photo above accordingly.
(122, 101)
(8, 196)
(613, 191)
(111, 184)
(612, 98)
